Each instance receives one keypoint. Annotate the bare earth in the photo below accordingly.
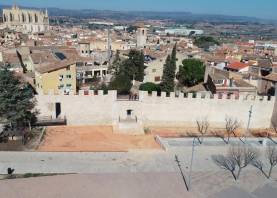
(93, 139)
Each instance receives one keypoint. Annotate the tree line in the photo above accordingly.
(191, 72)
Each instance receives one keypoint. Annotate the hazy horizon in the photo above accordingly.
(249, 8)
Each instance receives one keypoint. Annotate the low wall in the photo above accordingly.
(153, 110)
(79, 109)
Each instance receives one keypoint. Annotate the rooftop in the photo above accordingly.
(237, 65)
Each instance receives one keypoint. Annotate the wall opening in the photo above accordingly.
(129, 112)
(58, 109)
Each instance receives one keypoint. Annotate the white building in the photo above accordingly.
(183, 32)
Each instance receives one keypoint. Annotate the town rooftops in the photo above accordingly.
(237, 65)
(265, 63)
(271, 77)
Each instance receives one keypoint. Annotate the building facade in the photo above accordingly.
(26, 20)
(59, 77)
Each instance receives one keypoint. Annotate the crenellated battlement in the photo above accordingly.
(144, 96)
(95, 94)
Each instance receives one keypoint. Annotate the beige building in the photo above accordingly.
(56, 77)
(154, 69)
(26, 20)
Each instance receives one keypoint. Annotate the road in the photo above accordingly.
(132, 161)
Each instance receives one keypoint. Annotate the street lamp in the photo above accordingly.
(249, 120)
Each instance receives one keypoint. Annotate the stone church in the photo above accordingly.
(26, 20)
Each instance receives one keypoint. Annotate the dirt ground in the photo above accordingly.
(93, 139)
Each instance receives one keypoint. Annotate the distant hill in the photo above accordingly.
(139, 15)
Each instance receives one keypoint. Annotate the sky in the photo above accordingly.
(257, 8)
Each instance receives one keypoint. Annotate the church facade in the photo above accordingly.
(26, 20)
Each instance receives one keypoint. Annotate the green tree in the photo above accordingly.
(16, 100)
(174, 59)
(121, 83)
(134, 65)
(205, 42)
(115, 66)
(191, 72)
(129, 69)
(169, 71)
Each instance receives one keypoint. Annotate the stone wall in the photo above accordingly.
(153, 110)
(79, 109)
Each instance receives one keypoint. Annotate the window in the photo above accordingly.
(157, 78)
(36, 18)
(68, 76)
(61, 77)
(154, 70)
(68, 68)
(61, 86)
(68, 85)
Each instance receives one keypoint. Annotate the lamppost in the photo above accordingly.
(249, 120)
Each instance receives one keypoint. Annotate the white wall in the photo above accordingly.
(157, 111)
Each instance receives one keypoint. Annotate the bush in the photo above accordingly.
(149, 87)
(121, 83)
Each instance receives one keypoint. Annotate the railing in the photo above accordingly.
(129, 119)
(127, 98)
(50, 121)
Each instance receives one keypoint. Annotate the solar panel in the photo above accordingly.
(60, 55)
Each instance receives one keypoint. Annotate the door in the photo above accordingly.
(58, 109)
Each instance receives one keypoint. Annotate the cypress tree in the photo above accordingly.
(168, 79)
(140, 72)
(167, 84)
(174, 59)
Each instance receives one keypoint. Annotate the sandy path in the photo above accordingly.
(93, 138)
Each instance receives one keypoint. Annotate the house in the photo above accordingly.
(238, 67)
(269, 85)
(263, 69)
(58, 77)
(154, 67)
(222, 82)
